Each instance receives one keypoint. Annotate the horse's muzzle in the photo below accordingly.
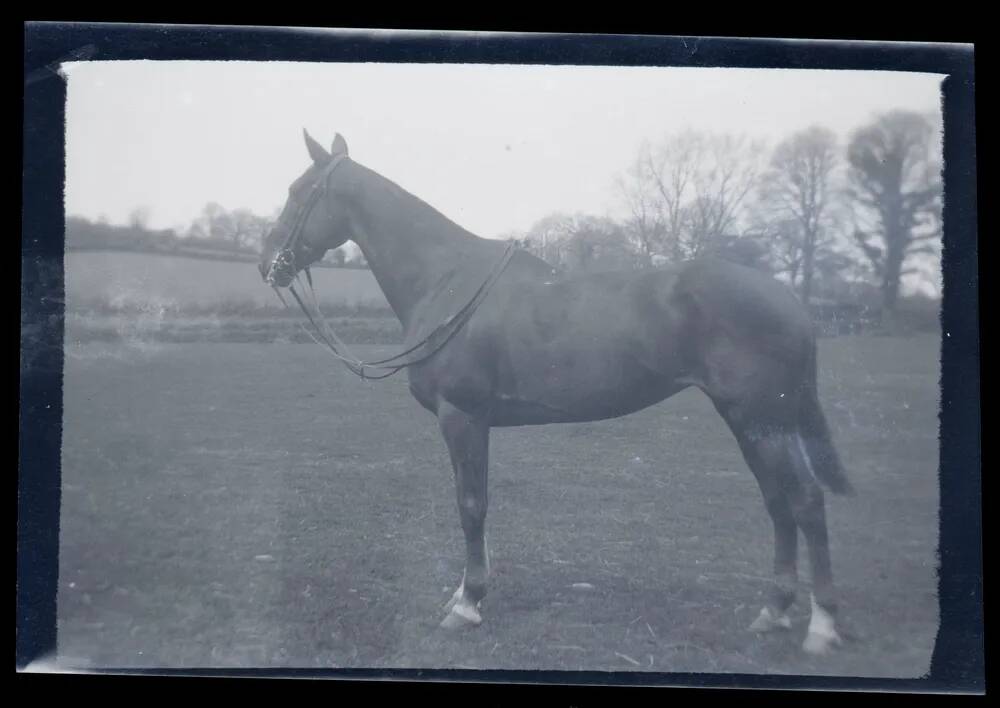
(281, 271)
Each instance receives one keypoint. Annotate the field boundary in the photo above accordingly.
(285, 327)
(199, 254)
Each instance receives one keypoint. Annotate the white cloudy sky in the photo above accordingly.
(493, 147)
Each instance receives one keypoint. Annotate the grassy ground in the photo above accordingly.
(163, 282)
(130, 330)
(253, 505)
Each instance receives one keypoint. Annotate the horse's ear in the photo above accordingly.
(317, 152)
(339, 145)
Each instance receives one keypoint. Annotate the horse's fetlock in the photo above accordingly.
(475, 590)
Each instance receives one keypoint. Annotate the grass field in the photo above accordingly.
(136, 298)
(234, 505)
(158, 284)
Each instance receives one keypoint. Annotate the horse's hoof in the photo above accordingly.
(819, 644)
(768, 621)
(462, 615)
(822, 635)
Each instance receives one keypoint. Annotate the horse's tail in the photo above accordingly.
(816, 436)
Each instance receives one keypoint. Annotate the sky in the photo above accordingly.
(495, 148)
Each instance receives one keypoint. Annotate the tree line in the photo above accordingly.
(830, 219)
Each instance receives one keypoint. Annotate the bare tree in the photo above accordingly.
(674, 170)
(687, 193)
(644, 225)
(895, 180)
(728, 170)
(798, 193)
(658, 188)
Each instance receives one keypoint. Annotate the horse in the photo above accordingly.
(526, 345)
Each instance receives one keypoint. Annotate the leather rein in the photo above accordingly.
(324, 334)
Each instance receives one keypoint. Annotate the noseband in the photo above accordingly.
(284, 259)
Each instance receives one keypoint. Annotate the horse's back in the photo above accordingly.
(712, 291)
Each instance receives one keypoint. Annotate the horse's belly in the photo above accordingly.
(579, 394)
(583, 351)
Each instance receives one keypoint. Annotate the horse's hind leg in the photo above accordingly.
(765, 460)
(809, 509)
(779, 457)
(468, 444)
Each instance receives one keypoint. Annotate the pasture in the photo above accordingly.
(140, 297)
(239, 505)
(156, 284)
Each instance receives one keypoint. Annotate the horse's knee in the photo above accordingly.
(472, 508)
(471, 504)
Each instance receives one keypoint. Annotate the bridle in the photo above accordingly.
(326, 337)
(284, 259)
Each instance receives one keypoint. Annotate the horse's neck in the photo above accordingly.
(410, 247)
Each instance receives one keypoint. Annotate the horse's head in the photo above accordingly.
(311, 222)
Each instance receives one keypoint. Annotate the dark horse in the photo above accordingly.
(542, 348)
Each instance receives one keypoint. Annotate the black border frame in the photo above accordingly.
(958, 663)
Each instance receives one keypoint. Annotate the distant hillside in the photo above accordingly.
(184, 282)
(85, 235)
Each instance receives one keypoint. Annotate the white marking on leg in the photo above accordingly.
(468, 612)
(486, 554)
(822, 634)
(805, 456)
(457, 595)
(767, 621)
(462, 614)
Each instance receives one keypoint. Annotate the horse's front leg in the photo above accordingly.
(468, 439)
